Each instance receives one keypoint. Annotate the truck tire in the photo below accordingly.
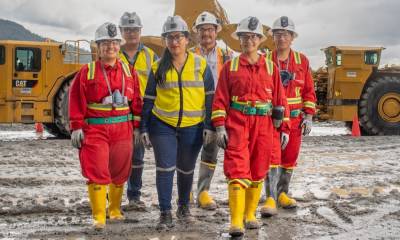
(60, 127)
(379, 106)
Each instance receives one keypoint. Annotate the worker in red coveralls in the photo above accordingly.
(104, 107)
(248, 87)
(299, 89)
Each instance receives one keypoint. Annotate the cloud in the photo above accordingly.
(320, 23)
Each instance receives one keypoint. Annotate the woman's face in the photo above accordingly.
(109, 49)
(249, 42)
(176, 43)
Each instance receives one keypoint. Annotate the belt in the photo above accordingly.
(295, 113)
(110, 120)
(247, 109)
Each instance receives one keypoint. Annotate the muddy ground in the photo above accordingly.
(347, 188)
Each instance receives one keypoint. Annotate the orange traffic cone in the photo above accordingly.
(355, 129)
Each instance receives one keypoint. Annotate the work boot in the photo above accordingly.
(269, 208)
(206, 172)
(253, 194)
(283, 188)
(97, 197)
(206, 202)
(137, 205)
(183, 214)
(114, 202)
(165, 220)
(237, 196)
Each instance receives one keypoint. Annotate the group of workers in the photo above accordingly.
(256, 106)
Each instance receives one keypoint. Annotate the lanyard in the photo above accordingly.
(287, 65)
(108, 82)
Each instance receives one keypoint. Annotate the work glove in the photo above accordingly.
(284, 140)
(222, 137)
(145, 138)
(76, 138)
(136, 137)
(306, 124)
(208, 136)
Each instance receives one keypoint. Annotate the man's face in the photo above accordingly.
(131, 34)
(283, 39)
(207, 34)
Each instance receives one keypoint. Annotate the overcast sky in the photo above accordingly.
(320, 23)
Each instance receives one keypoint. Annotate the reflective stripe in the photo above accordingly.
(244, 182)
(210, 165)
(296, 100)
(218, 113)
(210, 92)
(309, 104)
(160, 169)
(234, 64)
(105, 107)
(137, 166)
(297, 91)
(286, 119)
(297, 57)
(125, 67)
(136, 118)
(185, 83)
(91, 69)
(274, 165)
(268, 55)
(270, 66)
(148, 60)
(197, 66)
(176, 113)
(255, 184)
(149, 97)
(184, 172)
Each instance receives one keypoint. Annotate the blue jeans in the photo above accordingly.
(174, 148)
(135, 179)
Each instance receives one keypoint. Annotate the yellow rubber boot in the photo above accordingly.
(237, 196)
(97, 197)
(253, 194)
(114, 199)
(286, 202)
(205, 201)
(269, 208)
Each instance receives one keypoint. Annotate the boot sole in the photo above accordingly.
(252, 225)
(268, 213)
(209, 207)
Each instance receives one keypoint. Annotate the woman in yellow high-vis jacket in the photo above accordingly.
(176, 115)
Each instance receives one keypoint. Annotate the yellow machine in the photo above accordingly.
(34, 82)
(352, 85)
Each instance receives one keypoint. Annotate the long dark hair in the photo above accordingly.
(165, 64)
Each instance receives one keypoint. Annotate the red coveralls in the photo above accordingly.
(300, 96)
(106, 151)
(247, 155)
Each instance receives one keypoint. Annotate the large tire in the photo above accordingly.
(379, 106)
(60, 127)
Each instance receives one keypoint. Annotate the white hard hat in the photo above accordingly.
(174, 24)
(207, 18)
(284, 23)
(130, 20)
(249, 25)
(107, 31)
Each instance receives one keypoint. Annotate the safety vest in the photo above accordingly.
(91, 76)
(180, 101)
(222, 56)
(144, 61)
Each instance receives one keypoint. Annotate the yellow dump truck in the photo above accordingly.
(353, 85)
(34, 82)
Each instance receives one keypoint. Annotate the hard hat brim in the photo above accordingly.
(295, 34)
(219, 27)
(235, 35)
(165, 33)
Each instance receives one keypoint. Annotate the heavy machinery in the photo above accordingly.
(34, 82)
(353, 85)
